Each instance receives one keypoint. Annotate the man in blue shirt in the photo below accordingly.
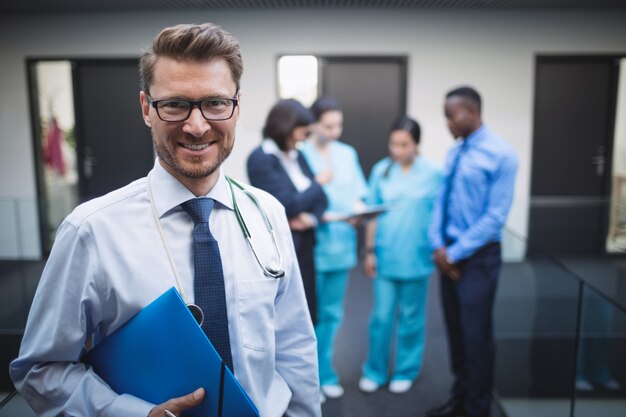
(465, 236)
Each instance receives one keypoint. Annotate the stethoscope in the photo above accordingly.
(269, 271)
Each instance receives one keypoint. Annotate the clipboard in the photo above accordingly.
(162, 353)
(366, 213)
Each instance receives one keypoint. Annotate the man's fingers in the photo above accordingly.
(454, 273)
(176, 405)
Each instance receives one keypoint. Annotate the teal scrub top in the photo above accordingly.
(402, 246)
(336, 242)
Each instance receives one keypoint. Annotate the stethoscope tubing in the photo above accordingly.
(267, 271)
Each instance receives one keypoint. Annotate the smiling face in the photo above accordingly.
(191, 150)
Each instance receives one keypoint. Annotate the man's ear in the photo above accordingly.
(238, 106)
(145, 108)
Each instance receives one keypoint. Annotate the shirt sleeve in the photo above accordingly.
(499, 202)
(48, 372)
(296, 345)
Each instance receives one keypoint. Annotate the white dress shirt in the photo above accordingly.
(108, 262)
(289, 161)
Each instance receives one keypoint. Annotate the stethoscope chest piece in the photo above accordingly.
(197, 313)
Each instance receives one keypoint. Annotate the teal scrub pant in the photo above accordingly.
(331, 289)
(407, 300)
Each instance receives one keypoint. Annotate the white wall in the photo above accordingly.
(491, 50)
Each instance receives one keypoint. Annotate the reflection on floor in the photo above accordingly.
(584, 408)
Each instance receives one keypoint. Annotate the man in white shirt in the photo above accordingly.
(109, 259)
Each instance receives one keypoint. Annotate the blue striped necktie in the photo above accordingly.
(448, 191)
(209, 278)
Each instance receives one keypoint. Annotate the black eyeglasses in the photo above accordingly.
(178, 110)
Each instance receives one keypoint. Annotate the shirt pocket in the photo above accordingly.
(256, 313)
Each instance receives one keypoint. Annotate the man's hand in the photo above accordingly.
(445, 267)
(176, 405)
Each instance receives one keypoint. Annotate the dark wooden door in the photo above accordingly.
(113, 143)
(372, 93)
(571, 158)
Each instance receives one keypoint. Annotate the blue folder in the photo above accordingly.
(162, 353)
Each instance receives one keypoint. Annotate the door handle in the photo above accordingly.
(599, 161)
(88, 163)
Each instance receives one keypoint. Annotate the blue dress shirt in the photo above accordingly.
(108, 262)
(481, 195)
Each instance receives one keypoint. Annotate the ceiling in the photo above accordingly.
(66, 6)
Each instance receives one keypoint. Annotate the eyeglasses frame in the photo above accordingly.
(193, 104)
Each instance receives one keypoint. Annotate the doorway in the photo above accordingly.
(370, 89)
(113, 143)
(89, 136)
(572, 146)
(372, 93)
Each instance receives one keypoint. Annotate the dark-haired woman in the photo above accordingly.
(399, 257)
(281, 170)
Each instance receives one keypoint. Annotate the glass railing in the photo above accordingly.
(28, 225)
(560, 327)
(20, 268)
(20, 261)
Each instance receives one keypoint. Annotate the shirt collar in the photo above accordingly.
(270, 147)
(169, 193)
(473, 137)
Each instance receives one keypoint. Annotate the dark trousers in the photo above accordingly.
(467, 306)
(304, 243)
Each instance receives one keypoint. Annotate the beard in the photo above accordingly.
(194, 167)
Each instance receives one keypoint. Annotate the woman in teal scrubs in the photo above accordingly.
(399, 258)
(336, 167)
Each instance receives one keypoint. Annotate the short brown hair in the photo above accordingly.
(190, 42)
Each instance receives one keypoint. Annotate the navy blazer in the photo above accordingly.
(267, 173)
